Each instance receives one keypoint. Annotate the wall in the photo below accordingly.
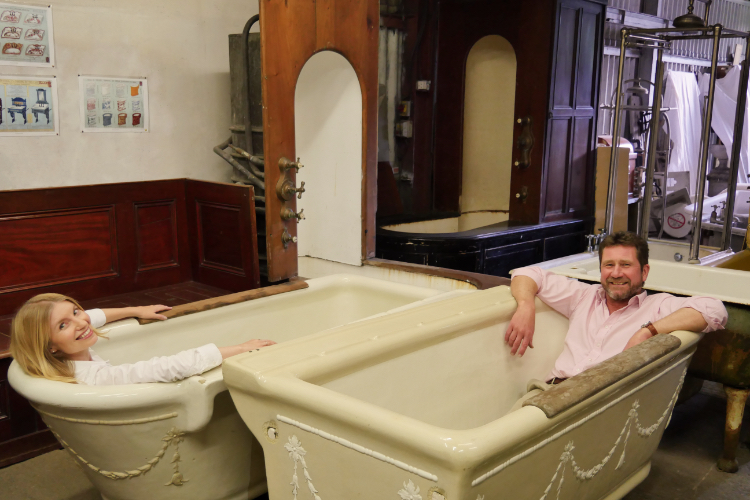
(328, 136)
(181, 46)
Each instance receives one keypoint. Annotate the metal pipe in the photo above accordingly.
(219, 150)
(652, 143)
(246, 61)
(739, 123)
(612, 187)
(695, 243)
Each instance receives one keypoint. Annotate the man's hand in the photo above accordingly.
(520, 332)
(640, 336)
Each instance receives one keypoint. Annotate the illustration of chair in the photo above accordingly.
(18, 105)
(41, 106)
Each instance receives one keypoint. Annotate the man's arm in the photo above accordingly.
(520, 332)
(686, 318)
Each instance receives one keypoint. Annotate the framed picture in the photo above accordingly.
(26, 35)
(28, 106)
(113, 104)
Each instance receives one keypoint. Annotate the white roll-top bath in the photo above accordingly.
(185, 439)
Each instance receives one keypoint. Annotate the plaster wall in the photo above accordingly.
(180, 46)
(489, 103)
(328, 137)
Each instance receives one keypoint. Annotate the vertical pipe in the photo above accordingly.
(609, 221)
(706, 134)
(652, 140)
(739, 123)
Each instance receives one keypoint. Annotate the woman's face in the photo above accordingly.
(70, 331)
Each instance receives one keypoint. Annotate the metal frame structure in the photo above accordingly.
(660, 39)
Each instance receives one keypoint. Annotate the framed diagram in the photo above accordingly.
(113, 104)
(26, 37)
(28, 106)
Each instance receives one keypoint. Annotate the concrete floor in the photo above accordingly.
(684, 467)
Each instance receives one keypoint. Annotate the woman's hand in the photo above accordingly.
(520, 332)
(150, 312)
(250, 345)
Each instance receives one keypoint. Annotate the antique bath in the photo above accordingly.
(722, 356)
(415, 405)
(185, 439)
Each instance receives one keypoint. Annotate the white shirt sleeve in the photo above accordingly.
(98, 319)
(159, 369)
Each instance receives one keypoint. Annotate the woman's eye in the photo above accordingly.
(63, 325)
(75, 312)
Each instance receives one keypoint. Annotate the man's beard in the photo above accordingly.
(623, 293)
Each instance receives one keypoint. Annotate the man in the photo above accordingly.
(608, 318)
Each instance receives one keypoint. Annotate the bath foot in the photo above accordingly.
(736, 399)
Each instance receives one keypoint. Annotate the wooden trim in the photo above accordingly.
(481, 281)
(225, 300)
(26, 447)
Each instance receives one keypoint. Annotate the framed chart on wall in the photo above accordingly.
(113, 104)
(26, 37)
(28, 105)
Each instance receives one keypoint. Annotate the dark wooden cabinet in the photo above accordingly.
(567, 184)
(558, 46)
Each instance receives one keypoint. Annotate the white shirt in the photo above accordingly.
(158, 369)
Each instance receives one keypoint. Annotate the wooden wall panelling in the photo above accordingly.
(223, 239)
(291, 32)
(83, 240)
(156, 233)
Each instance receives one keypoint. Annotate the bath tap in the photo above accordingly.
(590, 238)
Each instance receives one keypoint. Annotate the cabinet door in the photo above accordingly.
(571, 124)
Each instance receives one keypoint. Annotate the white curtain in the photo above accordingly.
(722, 120)
(685, 121)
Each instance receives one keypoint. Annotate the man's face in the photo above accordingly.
(622, 276)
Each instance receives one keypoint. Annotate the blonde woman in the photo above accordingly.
(52, 335)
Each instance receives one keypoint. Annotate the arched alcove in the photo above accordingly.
(489, 101)
(328, 136)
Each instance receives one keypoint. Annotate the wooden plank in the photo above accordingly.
(225, 300)
(481, 281)
(291, 32)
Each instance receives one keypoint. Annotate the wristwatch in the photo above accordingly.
(650, 327)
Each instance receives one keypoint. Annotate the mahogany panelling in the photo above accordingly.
(215, 224)
(83, 241)
(223, 239)
(47, 248)
(291, 32)
(156, 226)
(579, 189)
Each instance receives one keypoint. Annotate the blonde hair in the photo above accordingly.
(30, 339)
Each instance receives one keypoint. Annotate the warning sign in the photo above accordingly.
(676, 221)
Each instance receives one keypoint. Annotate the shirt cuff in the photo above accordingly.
(97, 317)
(211, 355)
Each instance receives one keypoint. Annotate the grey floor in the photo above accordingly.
(683, 468)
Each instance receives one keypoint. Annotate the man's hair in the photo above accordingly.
(626, 239)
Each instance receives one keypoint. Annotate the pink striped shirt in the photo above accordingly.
(594, 334)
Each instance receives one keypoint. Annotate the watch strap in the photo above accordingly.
(651, 328)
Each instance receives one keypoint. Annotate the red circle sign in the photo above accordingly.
(676, 221)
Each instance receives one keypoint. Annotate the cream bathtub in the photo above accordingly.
(415, 405)
(185, 439)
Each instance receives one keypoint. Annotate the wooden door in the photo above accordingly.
(567, 186)
(291, 32)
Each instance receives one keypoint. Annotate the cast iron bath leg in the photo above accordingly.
(736, 399)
